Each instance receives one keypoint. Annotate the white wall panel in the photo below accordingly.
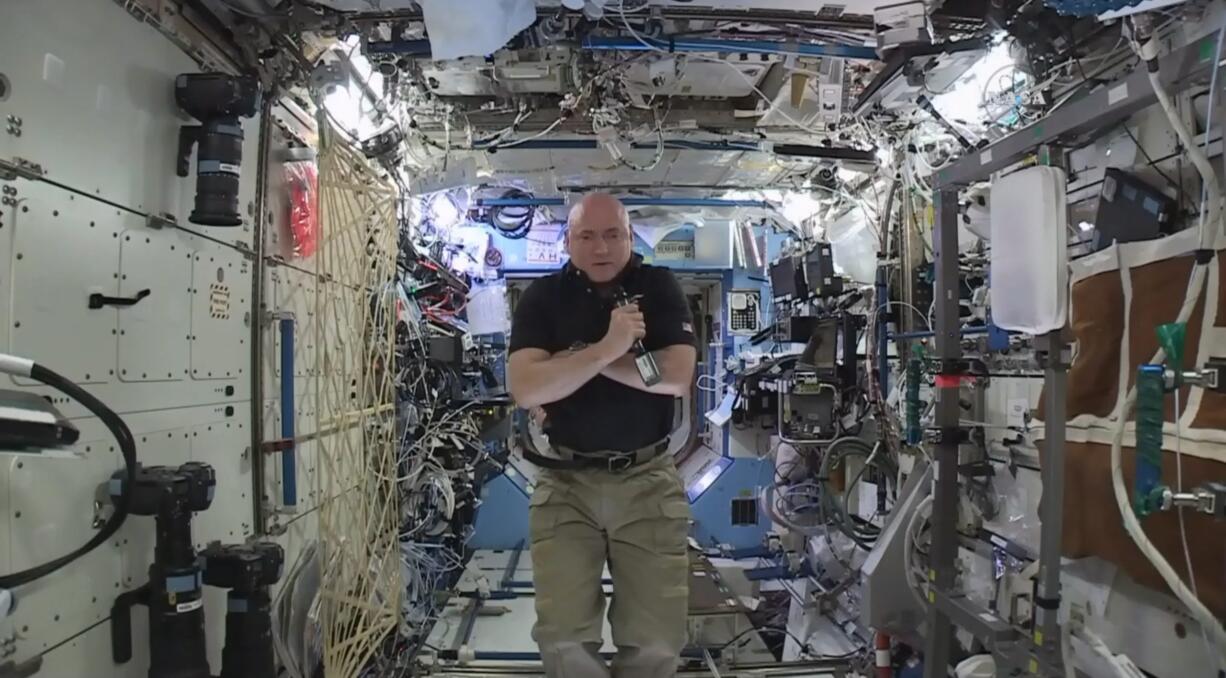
(95, 91)
(224, 445)
(220, 313)
(63, 250)
(154, 334)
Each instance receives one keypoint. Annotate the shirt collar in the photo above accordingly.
(571, 273)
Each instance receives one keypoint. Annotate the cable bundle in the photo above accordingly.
(512, 223)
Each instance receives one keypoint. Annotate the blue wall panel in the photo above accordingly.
(502, 520)
(713, 510)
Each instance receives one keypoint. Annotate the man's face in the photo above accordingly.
(599, 245)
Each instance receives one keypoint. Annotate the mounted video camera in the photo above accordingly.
(217, 100)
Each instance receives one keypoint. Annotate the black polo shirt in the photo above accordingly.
(564, 311)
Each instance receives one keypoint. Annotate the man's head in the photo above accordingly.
(598, 237)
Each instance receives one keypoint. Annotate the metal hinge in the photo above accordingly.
(10, 170)
(242, 248)
(160, 221)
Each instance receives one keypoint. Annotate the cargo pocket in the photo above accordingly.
(672, 530)
(542, 514)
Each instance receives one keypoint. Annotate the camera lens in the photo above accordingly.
(218, 101)
(218, 166)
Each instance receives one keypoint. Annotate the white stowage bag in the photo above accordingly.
(978, 666)
(1030, 250)
(463, 28)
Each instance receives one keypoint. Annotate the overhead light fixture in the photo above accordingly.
(444, 213)
(706, 478)
(964, 99)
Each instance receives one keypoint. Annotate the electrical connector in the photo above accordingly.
(1213, 500)
(1213, 375)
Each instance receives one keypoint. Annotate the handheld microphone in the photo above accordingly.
(643, 360)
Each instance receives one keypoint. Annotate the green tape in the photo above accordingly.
(1171, 337)
(1206, 49)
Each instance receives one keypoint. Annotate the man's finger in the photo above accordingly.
(628, 308)
(640, 332)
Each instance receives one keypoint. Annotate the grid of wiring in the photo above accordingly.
(359, 581)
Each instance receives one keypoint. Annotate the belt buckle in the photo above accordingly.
(620, 463)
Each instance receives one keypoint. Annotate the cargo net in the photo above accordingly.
(361, 587)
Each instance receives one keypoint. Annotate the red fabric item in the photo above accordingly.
(302, 178)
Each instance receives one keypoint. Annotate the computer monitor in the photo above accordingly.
(783, 278)
(821, 352)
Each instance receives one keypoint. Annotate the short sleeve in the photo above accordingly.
(530, 323)
(667, 312)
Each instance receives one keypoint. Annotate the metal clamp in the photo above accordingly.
(1213, 375)
(620, 463)
(160, 221)
(952, 435)
(20, 167)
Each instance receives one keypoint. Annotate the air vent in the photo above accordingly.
(744, 512)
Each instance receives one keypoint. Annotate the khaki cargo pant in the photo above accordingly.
(637, 521)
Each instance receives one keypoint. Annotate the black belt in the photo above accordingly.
(614, 462)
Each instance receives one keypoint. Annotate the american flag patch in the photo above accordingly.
(687, 327)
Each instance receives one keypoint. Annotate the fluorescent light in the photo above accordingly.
(708, 478)
(963, 100)
(443, 211)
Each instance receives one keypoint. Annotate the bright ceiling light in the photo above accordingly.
(443, 211)
(799, 207)
(963, 101)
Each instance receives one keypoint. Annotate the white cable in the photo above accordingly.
(18, 367)
(1209, 225)
(719, 386)
(1123, 666)
(909, 546)
(872, 319)
(1183, 529)
(1066, 649)
(1132, 525)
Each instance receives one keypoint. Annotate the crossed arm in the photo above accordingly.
(676, 365)
(538, 378)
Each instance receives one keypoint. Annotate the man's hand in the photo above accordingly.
(626, 324)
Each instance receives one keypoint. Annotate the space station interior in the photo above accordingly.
(949, 269)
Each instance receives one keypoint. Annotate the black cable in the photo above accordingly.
(512, 227)
(862, 532)
(127, 447)
(764, 629)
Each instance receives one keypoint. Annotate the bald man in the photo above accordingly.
(607, 493)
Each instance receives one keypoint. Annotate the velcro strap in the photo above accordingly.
(1047, 603)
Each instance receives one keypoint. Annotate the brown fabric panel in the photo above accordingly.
(1098, 330)
(1212, 412)
(1158, 291)
(1093, 527)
